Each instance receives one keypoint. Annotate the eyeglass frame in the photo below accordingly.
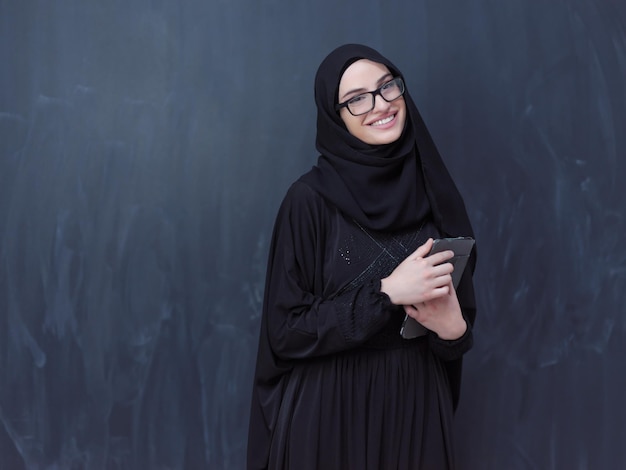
(377, 91)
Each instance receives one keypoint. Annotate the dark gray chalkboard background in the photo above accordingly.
(145, 146)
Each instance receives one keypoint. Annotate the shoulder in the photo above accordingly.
(302, 197)
(303, 212)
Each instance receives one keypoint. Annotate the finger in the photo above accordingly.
(441, 257)
(437, 292)
(442, 269)
(451, 289)
(423, 250)
(441, 282)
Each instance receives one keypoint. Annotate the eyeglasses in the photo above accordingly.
(365, 102)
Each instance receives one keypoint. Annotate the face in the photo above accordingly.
(383, 124)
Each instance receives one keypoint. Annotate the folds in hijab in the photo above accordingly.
(383, 187)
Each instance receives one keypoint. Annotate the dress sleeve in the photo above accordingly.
(301, 323)
(448, 350)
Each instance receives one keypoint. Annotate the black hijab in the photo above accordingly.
(383, 187)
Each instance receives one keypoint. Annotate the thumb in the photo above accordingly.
(410, 310)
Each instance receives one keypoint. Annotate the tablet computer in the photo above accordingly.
(462, 247)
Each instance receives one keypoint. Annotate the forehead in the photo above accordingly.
(363, 73)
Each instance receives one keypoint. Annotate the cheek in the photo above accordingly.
(346, 117)
(402, 115)
(352, 123)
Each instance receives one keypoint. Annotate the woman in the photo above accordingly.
(336, 385)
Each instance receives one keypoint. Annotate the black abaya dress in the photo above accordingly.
(336, 385)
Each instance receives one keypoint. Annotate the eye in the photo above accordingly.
(389, 85)
(358, 99)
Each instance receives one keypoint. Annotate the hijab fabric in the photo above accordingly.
(383, 187)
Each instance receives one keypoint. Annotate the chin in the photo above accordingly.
(383, 139)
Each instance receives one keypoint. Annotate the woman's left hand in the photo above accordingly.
(441, 315)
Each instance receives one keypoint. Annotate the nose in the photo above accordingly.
(380, 103)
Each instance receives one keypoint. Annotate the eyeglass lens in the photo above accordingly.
(365, 102)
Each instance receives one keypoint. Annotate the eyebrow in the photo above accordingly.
(380, 81)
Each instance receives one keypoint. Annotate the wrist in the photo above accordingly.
(386, 289)
(454, 331)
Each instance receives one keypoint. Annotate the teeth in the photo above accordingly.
(383, 121)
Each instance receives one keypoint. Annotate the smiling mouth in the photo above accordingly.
(381, 122)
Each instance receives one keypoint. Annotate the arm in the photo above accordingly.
(301, 322)
(422, 284)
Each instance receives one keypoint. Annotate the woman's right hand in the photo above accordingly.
(419, 277)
